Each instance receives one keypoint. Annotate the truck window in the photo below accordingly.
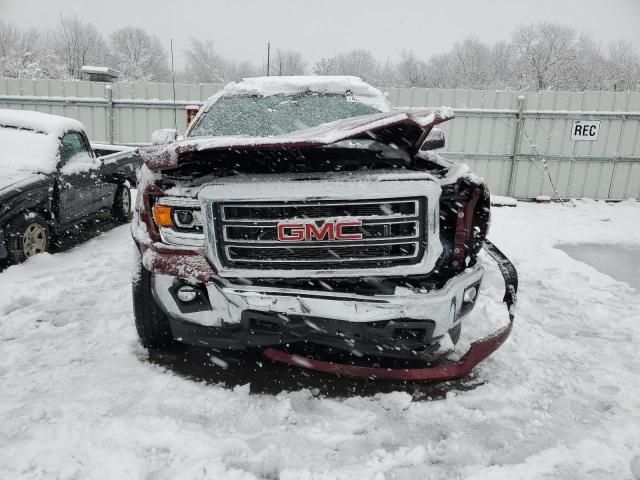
(72, 144)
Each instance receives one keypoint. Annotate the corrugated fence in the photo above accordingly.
(570, 144)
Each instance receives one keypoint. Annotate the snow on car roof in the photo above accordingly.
(291, 85)
(26, 151)
(39, 122)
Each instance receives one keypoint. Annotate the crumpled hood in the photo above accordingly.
(403, 129)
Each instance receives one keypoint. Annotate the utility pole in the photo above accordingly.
(268, 56)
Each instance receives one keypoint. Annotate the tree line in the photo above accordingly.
(537, 57)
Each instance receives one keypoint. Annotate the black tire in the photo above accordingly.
(121, 209)
(151, 322)
(27, 235)
(455, 332)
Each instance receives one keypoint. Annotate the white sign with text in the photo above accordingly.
(585, 130)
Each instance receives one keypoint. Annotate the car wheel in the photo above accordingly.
(121, 209)
(27, 236)
(152, 323)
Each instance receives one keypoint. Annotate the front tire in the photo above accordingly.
(152, 323)
(121, 209)
(28, 235)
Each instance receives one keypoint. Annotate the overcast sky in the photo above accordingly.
(241, 28)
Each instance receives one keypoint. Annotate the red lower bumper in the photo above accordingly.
(477, 352)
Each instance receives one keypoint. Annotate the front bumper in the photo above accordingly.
(478, 351)
(405, 325)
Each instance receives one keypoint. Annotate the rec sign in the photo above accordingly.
(585, 130)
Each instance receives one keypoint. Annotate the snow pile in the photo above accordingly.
(163, 136)
(500, 201)
(292, 85)
(560, 400)
(40, 122)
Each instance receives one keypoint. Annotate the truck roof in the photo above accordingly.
(292, 85)
(39, 122)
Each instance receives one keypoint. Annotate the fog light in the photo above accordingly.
(187, 293)
(470, 294)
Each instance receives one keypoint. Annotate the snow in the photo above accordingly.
(112, 147)
(29, 143)
(40, 122)
(79, 163)
(292, 85)
(23, 152)
(100, 70)
(163, 136)
(500, 201)
(560, 400)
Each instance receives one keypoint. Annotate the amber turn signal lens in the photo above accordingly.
(162, 215)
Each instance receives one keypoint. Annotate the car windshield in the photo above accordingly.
(258, 116)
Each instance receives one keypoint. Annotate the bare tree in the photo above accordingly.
(24, 54)
(589, 71)
(204, 64)
(237, 71)
(546, 54)
(77, 44)
(502, 61)
(623, 67)
(412, 71)
(288, 62)
(138, 55)
(387, 75)
(325, 66)
(359, 62)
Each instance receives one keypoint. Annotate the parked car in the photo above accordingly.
(51, 179)
(305, 210)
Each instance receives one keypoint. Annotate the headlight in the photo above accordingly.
(179, 221)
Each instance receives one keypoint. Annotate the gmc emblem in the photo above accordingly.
(330, 230)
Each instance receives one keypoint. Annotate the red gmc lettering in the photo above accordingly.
(295, 232)
(296, 229)
(348, 236)
(311, 230)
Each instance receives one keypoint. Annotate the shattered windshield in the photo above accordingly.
(277, 114)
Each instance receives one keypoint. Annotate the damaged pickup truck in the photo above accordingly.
(305, 212)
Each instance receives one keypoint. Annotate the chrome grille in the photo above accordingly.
(393, 233)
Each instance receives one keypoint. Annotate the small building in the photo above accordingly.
(99, 74)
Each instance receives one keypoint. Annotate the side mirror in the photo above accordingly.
(434, 140)
(164, 136)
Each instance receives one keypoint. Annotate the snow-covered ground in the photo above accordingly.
(560, 400)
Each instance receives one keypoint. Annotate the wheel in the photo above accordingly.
(121, 209)
(455, 332)
(27, 235)
(151, 322)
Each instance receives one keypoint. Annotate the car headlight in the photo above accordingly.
(179, 221)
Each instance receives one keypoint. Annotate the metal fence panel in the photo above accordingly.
(483, 134)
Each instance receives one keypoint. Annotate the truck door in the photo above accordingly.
(78, 178)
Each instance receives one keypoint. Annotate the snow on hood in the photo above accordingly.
(24, 152)
(40, 122)
(404, 129)
(325, 84)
